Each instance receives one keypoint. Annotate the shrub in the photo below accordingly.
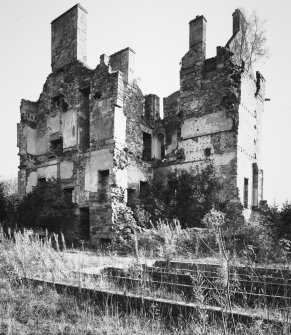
(183, 195)
(166, 239)
(48, 207)
(3, 204)
(284, 226)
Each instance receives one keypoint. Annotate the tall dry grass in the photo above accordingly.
(25, 309)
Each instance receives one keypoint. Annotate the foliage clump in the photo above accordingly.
(250, 42)
(48, 207)
(177, 195)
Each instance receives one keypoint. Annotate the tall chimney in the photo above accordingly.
(197, 36)
(69, 37)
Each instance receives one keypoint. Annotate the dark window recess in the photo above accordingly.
(97, 95)
(84, 223)
(84, 120)
(103, 186)
(207, 152)
(86, 91)
(255, 200)
(41, 181)
(246, 192)
(56, 146)
(143, 188)
(163, 150)
(131, 197)
(59, 102)
(68, 194)
(147, 146)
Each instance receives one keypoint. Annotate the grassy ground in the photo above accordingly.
(37, 310)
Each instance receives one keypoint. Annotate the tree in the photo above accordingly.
(284, 228)
(3, 204)
(48, 207)
(9, 185)
(249, 43)
(179, 194)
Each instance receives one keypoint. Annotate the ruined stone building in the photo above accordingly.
(96, 131)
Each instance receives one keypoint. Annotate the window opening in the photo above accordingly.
(59, 102)
(103, 186)
(41, 180)
(147, 146)
(246, 192)
(85, 118)
(255, 201)
(143, 187)
(68, 194)
(56, 146)
(207, 152)
(97, 95)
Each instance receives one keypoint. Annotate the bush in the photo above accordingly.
(183, 195)
(284, 225)
(3, 204)
(166, 239)
(47, 207)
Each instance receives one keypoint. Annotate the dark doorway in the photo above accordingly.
(84, 223)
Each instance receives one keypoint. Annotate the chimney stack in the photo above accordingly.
(69, 37)
(197, 31)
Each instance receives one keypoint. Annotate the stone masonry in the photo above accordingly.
(98, 133)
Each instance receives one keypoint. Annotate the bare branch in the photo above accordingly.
(250, 44)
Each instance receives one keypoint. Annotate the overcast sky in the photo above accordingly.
(158, 32)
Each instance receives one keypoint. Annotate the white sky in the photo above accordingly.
(158, 32)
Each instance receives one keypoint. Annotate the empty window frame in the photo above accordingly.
(147, 146)
(84, 120)
(68, 194)
(246, 192)
(143, 187)
(59, 102)
(255, 199)
(56, 146)
(41, 180)
(103, 186)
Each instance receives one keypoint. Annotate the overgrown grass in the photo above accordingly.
(38, 310)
